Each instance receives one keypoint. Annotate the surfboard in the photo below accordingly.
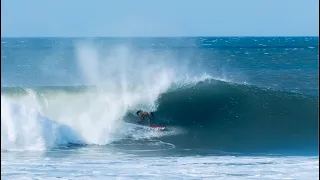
(158, 127)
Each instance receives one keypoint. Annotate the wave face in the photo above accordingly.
(211, 114)
(230, 116)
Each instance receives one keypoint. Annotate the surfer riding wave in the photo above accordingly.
(145, 116)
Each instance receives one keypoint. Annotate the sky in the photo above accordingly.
(122, 18)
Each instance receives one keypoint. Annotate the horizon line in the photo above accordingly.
(148, 36)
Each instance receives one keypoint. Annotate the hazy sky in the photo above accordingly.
(159, 18)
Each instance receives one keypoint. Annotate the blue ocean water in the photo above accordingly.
(234, 108)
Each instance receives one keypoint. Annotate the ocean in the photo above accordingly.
(233, 108)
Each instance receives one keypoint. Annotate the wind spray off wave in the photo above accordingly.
(123, 80)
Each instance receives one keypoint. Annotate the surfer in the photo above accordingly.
(144, 116)
(147, 116)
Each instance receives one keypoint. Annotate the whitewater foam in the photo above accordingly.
(123, 81)
(24, 128)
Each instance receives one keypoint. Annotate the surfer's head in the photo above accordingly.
(142, 113)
